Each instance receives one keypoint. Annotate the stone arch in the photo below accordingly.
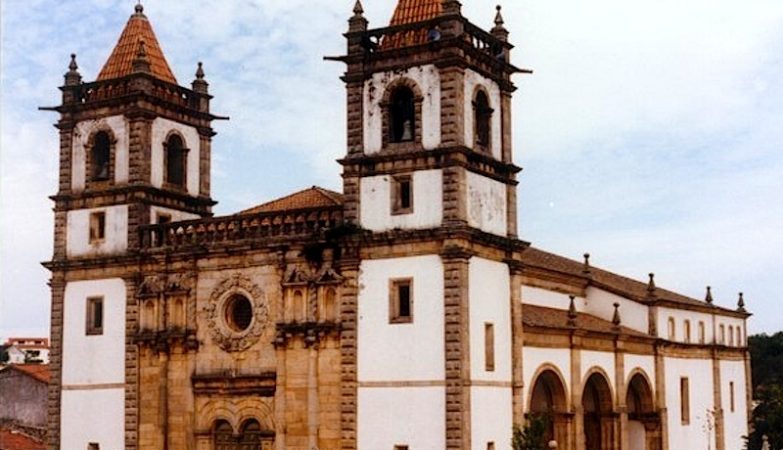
(598, 407)
(211, 412)
(256, 410)
(175, 159)
(482, 118)
(386, 104)
(548, 396)
(644, 427)
(105, 173)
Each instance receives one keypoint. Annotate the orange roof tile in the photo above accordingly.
(411, 11)
(120, 63)
(13, 440)
(38, 371)
(631, 288)
(540, 316)
(314, 197)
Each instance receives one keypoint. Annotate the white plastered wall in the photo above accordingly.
(412, 416)
(116, 232)
(408, 351)
(160, 131)
(736, 421)
(473, 81)
(376, 197)
(489, 293)
(487, 204)
(699, 374)
(93, 367)
(491, 419)
(534, 358)
(633, 315)
(427, 78)
(175, 214)
(83, 410)
(81, 135)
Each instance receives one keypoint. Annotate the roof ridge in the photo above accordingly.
(333, 197)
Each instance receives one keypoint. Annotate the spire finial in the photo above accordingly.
(708, 297)
(141, 63)
(572, 312)
(73, 77)
(357, 22)
(586, 266)
(616, 318)
(200, 85)
(358, 9)
(741, 303)
(499, 17)
(499, 31)
(139, 7)
(651, 284)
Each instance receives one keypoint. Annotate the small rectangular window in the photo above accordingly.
(702, 338)
(685, 401)
(401, 301)
(97, 227)
(400, 447)
(489, 347)
(490, 446)
(688, 331)
(93, 446)
(722, 340)
(94, 316)
(731, 396)
(402, 194)
(672, 329)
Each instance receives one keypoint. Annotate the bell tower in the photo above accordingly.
(429, 121)
(134, 150)
(429, 177)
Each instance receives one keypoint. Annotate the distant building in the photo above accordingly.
(403, 313)
(23, 397)
(22, 350)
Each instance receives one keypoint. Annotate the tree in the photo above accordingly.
(767, 418)
(531, 436)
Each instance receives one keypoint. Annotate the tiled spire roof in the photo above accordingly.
(120, 62)
(411, 11)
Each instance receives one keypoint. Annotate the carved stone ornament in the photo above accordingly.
(222, 333)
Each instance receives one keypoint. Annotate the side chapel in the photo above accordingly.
(403, 313)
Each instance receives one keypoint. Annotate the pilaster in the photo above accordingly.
(452, 105)
(456, 300)
(131, 367)
(720, 437)
(349, 269)
(517, 343)
(57, 284)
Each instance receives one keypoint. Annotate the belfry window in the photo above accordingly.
(100, 157)
(176, 162)
(402, 115)
(483, 119)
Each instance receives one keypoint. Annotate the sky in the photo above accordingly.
(650, 133)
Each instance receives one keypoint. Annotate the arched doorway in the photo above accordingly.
(251, 436)
(548, 399)
(643, 422)
(598, 420)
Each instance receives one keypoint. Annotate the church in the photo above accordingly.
(403, 313)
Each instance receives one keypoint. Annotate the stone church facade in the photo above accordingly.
(402, 313)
